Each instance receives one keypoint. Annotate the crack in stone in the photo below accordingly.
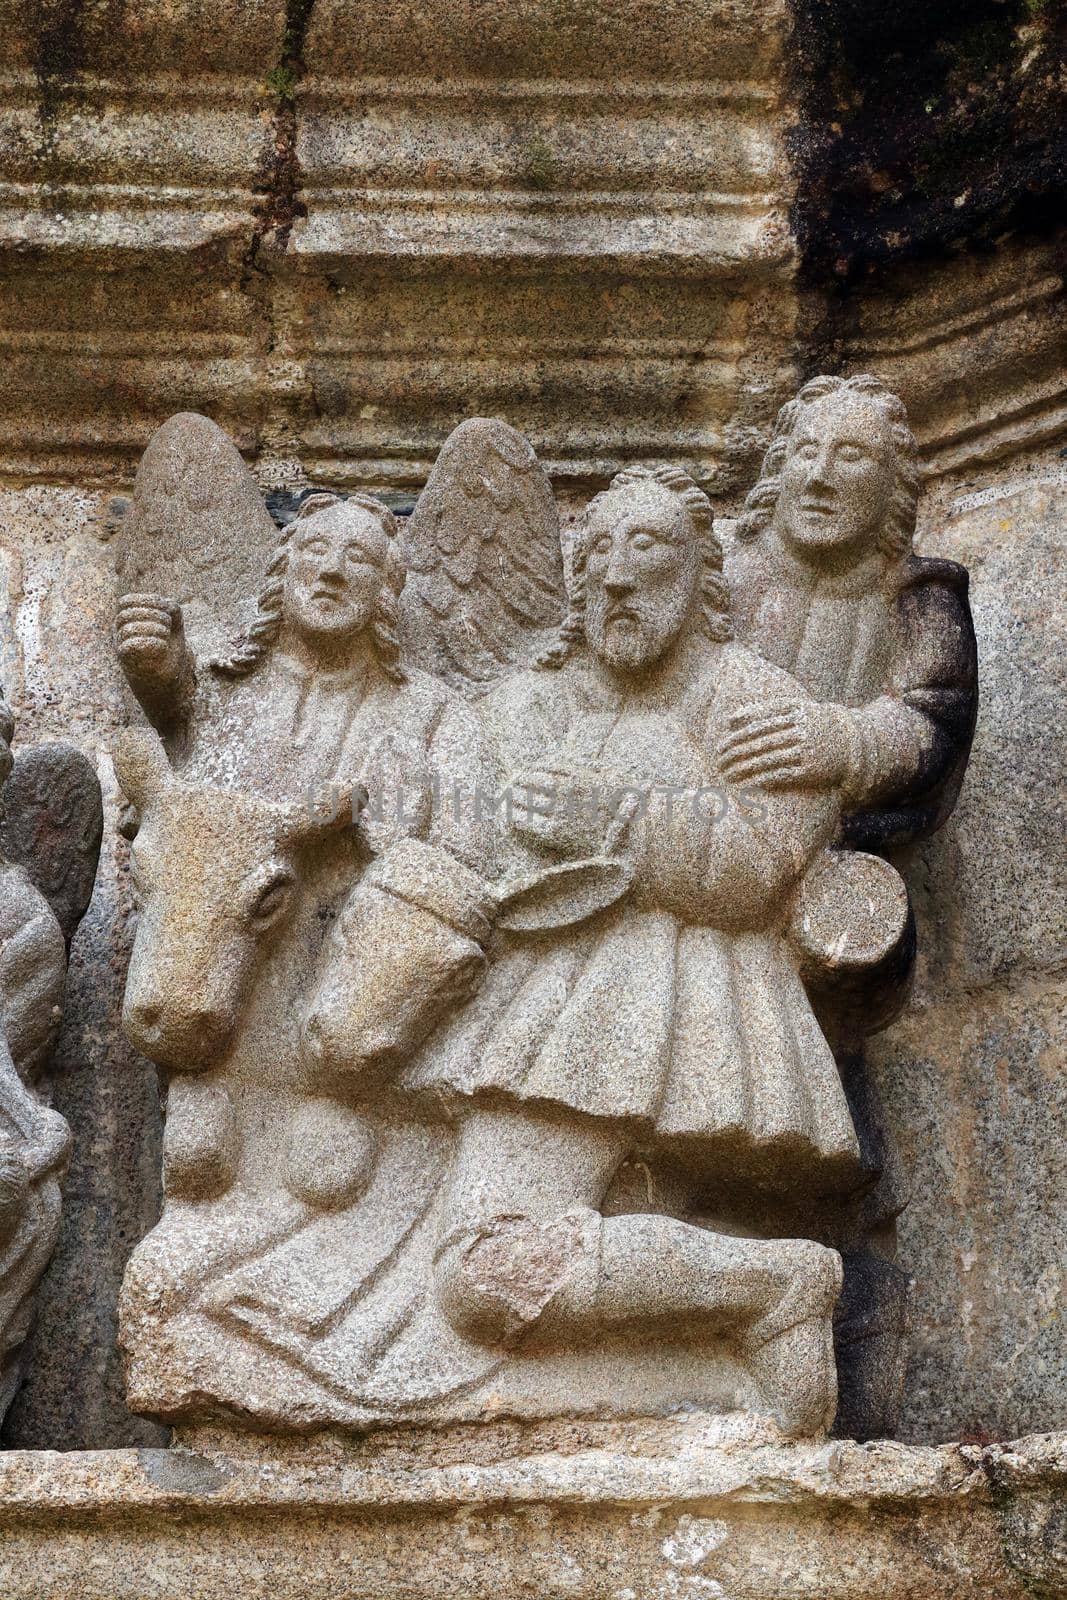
(282, 205)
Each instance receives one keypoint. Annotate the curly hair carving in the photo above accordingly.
(898, 524)
(715, 593)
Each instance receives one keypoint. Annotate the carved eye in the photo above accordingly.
(272, 898)
(602, 545)
(807, 451)
(643, 541)
(852, 452)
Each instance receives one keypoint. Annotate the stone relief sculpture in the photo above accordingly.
(500, 1030)
(826, 584)
(49, 843)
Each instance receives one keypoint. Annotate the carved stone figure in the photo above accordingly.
(672, 1028)
(825, 584)
(49, 842)
(513, 1102)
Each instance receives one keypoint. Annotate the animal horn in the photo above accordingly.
(331, 805)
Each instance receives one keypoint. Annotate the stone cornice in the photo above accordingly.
(586, 226)
(586, 1523)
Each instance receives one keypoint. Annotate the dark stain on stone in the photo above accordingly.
(58, 50)
(63, 32)
(283, 504)
(280, 184)
(927, 126)
(927, 129)
(181, 1472)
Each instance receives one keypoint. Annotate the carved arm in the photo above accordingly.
(156, 657)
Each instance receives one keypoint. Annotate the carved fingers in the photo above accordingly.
(149, 629)
(783, 744)
(400, 794)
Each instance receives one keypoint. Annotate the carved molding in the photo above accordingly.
(666, 1517)
(580, 221)
(975, 348)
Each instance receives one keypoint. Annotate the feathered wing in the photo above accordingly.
(51, 826)
(485, 587)
(197, 530)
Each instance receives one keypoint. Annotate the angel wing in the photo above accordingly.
(197, 529)
(51, 825)
(485, 586)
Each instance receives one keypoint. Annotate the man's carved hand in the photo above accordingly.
(567, 809)
(399, 793)
(151, 641)
(785, 744)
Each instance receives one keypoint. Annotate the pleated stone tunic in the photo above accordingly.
(679, 1009)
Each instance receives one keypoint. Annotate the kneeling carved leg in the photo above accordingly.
(525, 1252)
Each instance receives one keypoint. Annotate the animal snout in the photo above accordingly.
(335, 1049)
(185, 1036)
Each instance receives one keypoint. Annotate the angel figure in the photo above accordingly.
(825, 585)
(311, 697)
(49, 841)
(314, 689)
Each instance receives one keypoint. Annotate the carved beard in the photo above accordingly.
(631, 633)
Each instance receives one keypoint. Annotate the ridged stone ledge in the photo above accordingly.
(637, 1517)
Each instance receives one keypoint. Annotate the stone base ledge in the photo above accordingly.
(687, 1511)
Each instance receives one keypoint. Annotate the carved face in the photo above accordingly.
(838, 476)
(332, 581)
(643, 569)
(216, 873)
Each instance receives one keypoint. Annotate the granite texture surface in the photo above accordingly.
(616, 235)
(973, 1077)
(644, 1515)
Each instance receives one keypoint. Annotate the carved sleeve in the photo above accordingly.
(464, 784)
(32, 982)
(909, 747)
(728, 858)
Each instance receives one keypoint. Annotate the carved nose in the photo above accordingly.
(322, 1047)
(316, 1038)
(143, 1017)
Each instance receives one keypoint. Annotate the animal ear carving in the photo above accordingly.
(141, 765)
